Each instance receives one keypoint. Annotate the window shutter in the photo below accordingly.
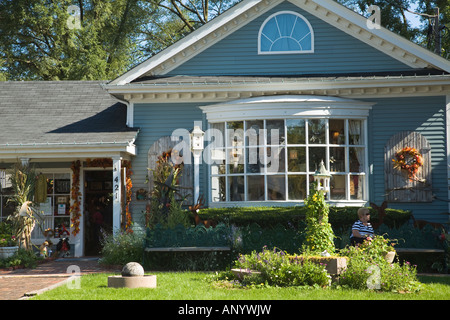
(186, 187)
(399, 187)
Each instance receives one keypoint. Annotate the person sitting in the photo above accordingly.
(361, 229)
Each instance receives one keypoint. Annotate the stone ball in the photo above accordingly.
(132, 269)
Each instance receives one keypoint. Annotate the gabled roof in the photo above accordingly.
(66, 115)
(330, 11)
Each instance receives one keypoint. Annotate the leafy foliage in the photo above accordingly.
(277, 269)
(319, 234)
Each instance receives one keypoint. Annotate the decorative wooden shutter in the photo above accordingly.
(399, 187)
(186, 181)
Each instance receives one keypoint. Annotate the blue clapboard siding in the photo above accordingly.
(425, 115)
(156, 121)
(335, 52)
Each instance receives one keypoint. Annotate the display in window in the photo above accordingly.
(62, 186)
(45, 208)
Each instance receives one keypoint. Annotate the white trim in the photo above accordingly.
(351, 87)
(447, 113)
(288, 203)
(286, 107)
(298, 15)
(66, 151)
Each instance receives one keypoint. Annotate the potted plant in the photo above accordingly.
(8, 241)
(379, 246)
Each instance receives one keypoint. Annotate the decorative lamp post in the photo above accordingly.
(322, 178)
(197, 146)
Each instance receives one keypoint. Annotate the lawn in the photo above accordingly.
(195, 286)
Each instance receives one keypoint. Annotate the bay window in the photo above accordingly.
(273, 159)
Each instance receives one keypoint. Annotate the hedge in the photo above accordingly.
(341, 218)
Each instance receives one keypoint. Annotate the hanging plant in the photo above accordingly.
(75, 212)
(408, 160)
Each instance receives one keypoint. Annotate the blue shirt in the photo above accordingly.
(364, 230)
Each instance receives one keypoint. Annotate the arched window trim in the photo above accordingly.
(286, 52)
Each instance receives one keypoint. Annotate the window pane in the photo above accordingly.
(337, 188)
(275, 132)
(297, 187)
(316, 155)
(297, 159)
(236, 188)
(8, 207)
(337, 159)
(276, 189)
(337, 131)
(255, 188)
(356, 159)
(254, 133)
(218, 189)
(275, 159)
(62, 183)
(295, 131)
(235, 134)
(355, 131)
(254, 157)
(218, 161)
(356, 187)
(316, 131)
(236, 160)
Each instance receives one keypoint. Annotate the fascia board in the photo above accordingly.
(12, 151)
(307, 84)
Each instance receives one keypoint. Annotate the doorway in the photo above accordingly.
(98, 209)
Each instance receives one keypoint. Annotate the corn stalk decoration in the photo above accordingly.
(23, 181)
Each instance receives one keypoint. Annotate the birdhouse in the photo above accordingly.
(197, 139)
(322, 178)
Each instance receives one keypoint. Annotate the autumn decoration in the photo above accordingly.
(408, 160)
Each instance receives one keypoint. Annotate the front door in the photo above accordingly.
(98, 208)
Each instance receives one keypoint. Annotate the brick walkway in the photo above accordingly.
(21, 283)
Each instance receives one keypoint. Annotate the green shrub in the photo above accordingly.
(341, 218)
(24, 258)
(368, 269)
(121, 248)
(319, 234)
(277, 269)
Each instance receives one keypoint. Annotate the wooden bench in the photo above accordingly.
(416, 250)
(187, 249)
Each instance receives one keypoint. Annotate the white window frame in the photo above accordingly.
(293, 107)
(299, 16)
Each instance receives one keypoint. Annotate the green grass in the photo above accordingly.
(193, 286)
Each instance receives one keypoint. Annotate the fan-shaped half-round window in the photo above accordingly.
(285, 32)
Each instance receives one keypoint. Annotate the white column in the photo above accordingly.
(447, 113)
(197, 155)
(117, 194)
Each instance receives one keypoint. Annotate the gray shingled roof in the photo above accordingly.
(42, 112)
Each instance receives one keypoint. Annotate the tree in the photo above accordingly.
(427, 8)
(394, 18)
(38, 39)
(171, 20)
